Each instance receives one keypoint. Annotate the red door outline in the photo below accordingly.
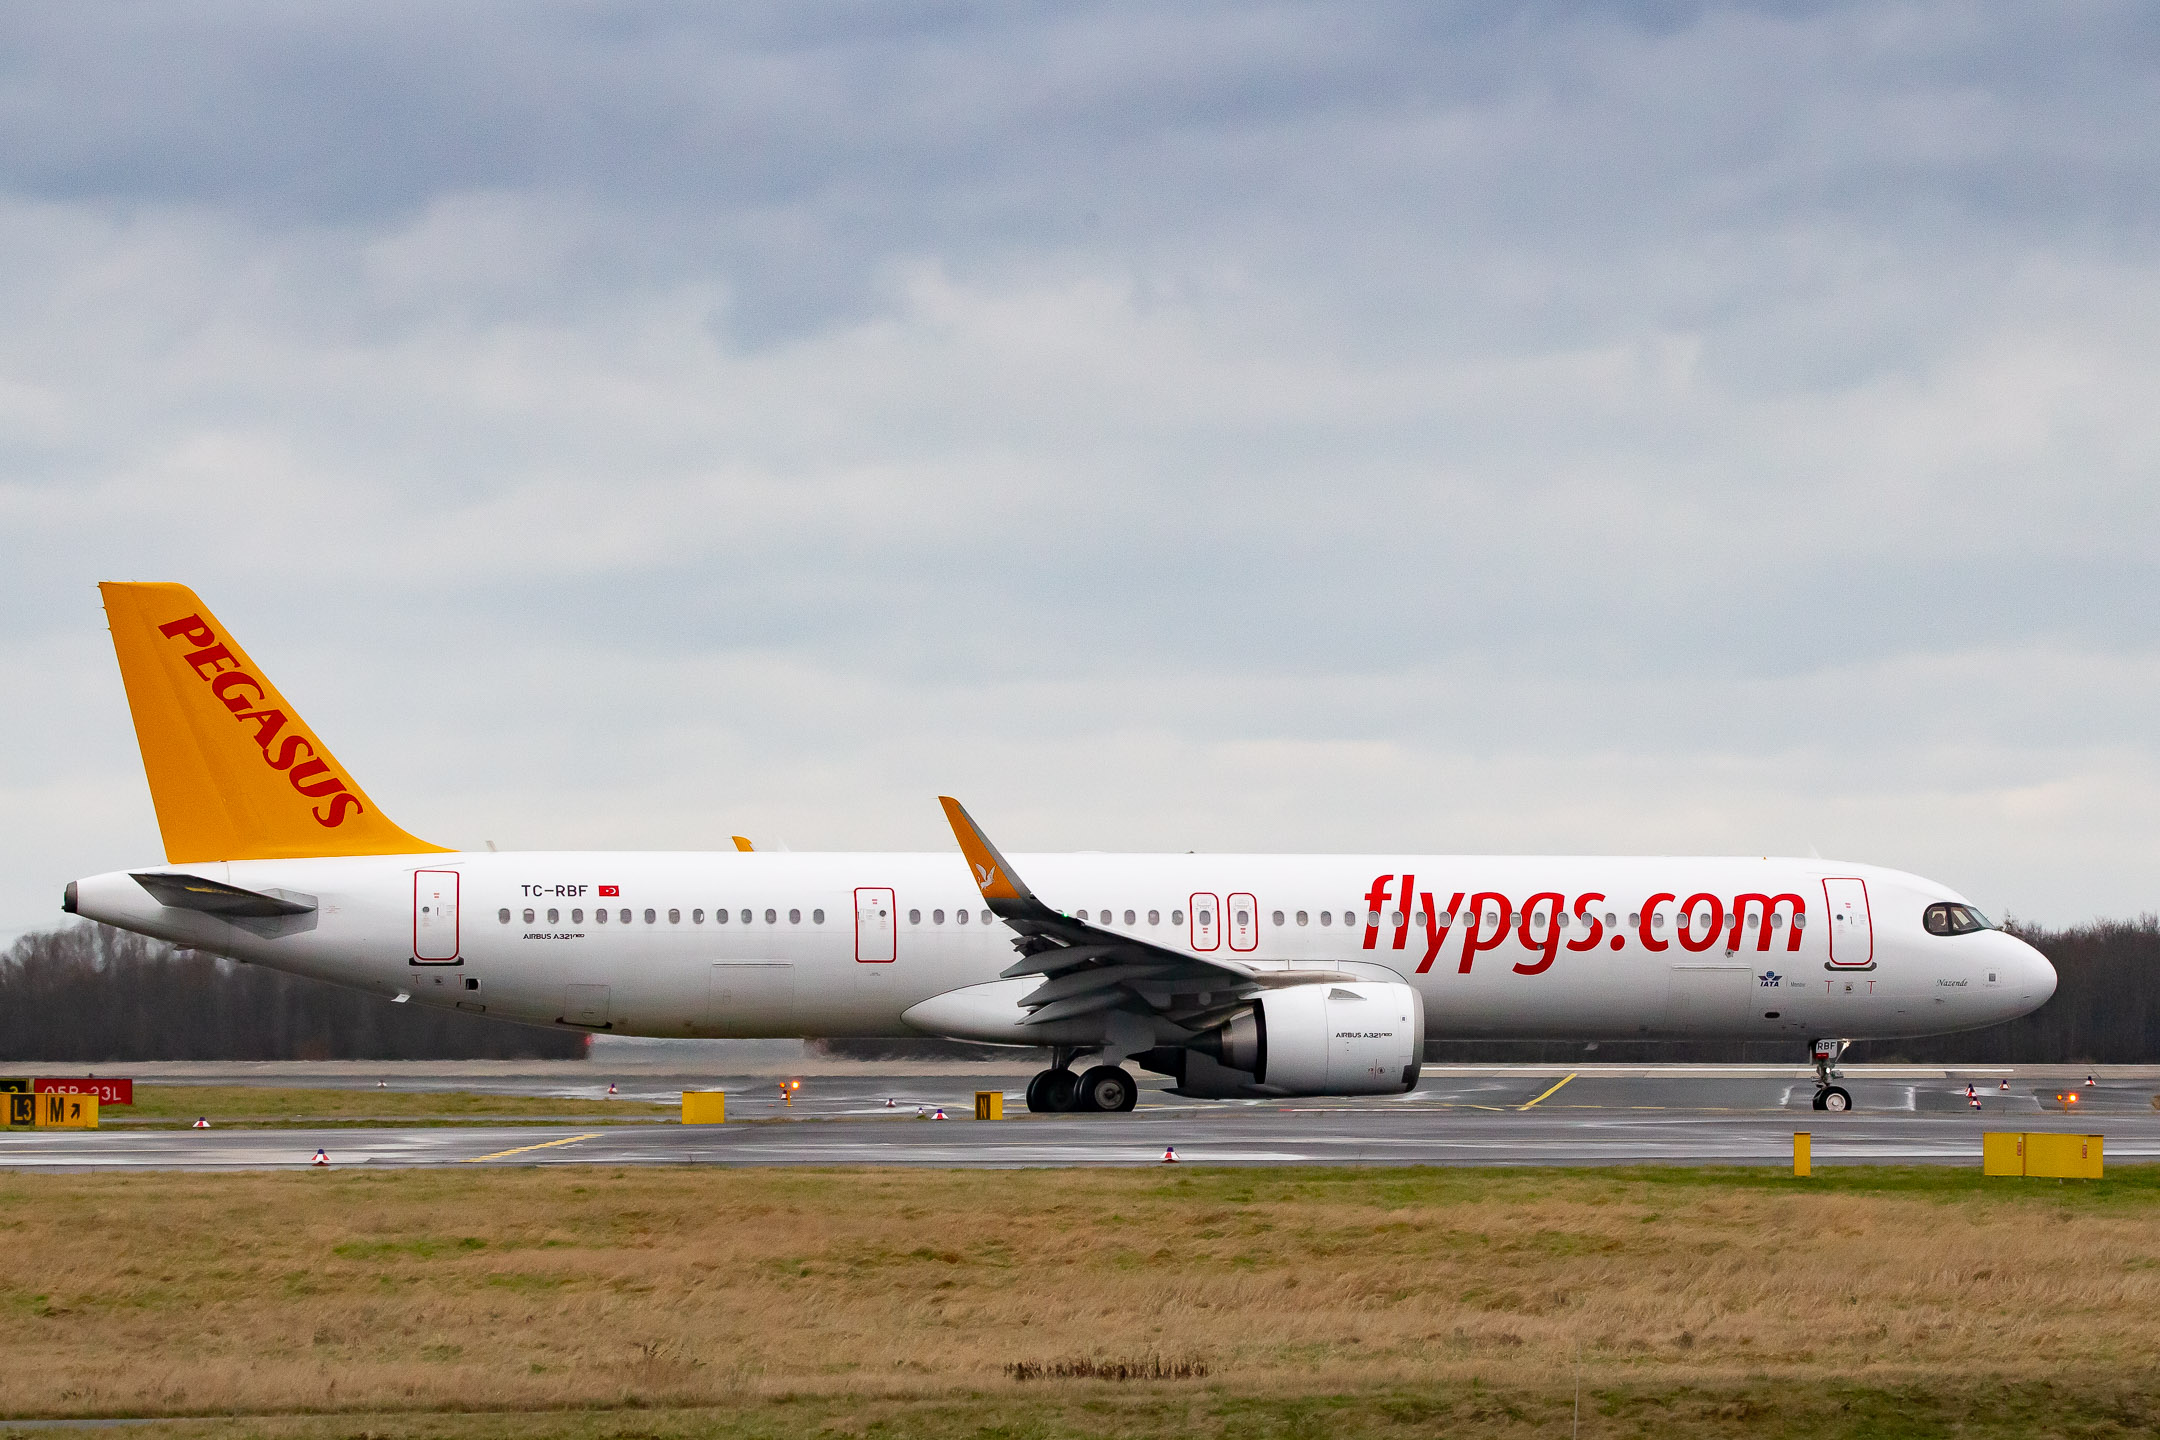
(1247, 935)
(876, 949)
(1864, 920)
(1209, 935)
(428, 888)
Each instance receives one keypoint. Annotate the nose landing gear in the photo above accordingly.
(1835, 1098)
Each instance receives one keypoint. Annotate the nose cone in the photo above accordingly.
(2036, 977)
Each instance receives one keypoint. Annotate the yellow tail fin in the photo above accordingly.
(234, 771)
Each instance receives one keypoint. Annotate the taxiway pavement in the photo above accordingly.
(1668, 1116)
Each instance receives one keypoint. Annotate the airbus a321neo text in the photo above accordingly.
(1235, 975)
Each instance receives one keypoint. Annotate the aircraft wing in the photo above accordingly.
(1087, 969)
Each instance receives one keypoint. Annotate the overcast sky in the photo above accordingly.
(1537, 428)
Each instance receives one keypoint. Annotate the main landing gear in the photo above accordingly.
(1835, 1098)
(1102, 1088)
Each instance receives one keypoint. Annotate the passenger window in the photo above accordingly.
(719, 917)
(697, 917)
(1349, 917)
(1129, 917)
(554, 917)
(503, 915)
(817, 917)
(1177, 917)
(1081, 916)
(674, 917)
(794, 917)
(1276, 918)
(772, 917)
(577, 917)
(1154, 917)
(937, 917)
(650, 917)
(746, 917)
(600, 916)
(528, 917)
(1301, 917)
(624, 916)
(987, 917)
(960, 917)
(1327, 917)
(1207, 917)
(914, 917)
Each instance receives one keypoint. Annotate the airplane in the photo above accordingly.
(1236, 976)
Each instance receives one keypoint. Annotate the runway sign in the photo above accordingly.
(108, 1092)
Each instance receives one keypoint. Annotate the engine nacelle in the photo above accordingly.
(1339, 1038)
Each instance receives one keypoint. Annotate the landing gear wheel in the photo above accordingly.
(1833, 1098)
(1108, 1088)
(1054, 1090)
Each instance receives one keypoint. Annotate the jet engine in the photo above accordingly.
(1341, 1038)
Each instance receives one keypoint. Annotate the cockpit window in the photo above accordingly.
(1947, 919)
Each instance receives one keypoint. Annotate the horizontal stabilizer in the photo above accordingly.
(213, 897)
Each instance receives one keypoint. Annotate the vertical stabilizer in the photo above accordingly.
(234, 771)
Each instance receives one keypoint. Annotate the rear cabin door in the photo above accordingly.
(435, 916)
(1242, 913)
(1852, 927)
(876, 937)
(1206, 922)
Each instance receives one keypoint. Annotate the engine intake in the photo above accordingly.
(1341, 1038)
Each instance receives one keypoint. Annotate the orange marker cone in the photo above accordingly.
(322, 1157)
(1169, 1155)
(202, 1122)
(2006, 1082)
(611, 1087)
(940, 1113)
(2088, 1082)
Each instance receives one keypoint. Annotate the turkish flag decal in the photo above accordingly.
(611, 890)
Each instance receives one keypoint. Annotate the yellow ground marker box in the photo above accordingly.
(1803, 1154)
(2063, 1157)
(704, 1107)
(2041, 1155)
(51, 1110)
(989, 1104)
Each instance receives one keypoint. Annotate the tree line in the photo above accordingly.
(89, 992)
(92, 993)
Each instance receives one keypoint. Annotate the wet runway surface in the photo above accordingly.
(1511, 1118)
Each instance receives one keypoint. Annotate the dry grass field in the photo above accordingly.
(663, 1302)
(264, 1106)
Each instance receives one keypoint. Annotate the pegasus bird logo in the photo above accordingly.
(985, 877)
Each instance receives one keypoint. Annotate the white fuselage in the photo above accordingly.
(1822, 949)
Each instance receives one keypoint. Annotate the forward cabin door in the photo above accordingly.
(435, 916)
(1852, 927)
(876, 934)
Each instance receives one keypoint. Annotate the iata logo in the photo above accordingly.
(1769, 978)
(240, 692)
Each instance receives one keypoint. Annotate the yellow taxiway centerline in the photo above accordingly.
(573, 1139)
(1563, 1080)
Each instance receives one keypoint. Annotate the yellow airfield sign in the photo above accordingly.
(52, 1110)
